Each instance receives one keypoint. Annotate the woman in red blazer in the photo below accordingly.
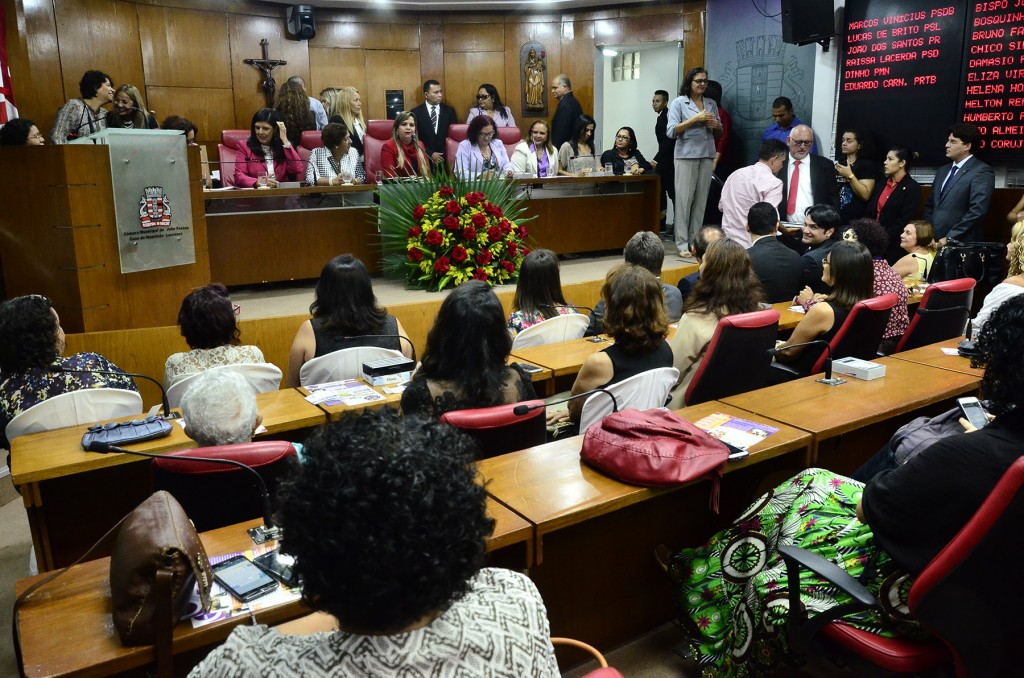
(267, 151)
(896, 198)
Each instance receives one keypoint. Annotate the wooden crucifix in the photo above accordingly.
(267, 66)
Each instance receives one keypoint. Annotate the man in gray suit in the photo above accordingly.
(962, 191)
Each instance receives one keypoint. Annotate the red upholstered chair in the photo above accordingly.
(510, 137)
(230, 140)
(312, 138)
(304, 154)
(975, 620)
(737, 358)
(456, 135)
(377, 132)
(498, 430)
(859, 337)
(942, 314)
(216, 495)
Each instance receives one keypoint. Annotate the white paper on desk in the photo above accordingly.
(797, 309)
(951, 351)
(347, 392)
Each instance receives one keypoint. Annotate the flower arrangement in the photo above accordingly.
(442, 231)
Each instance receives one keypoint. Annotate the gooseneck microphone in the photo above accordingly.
(167, 414)
(568, 305)
(521, 410)
(828, 360)
(356, 337)
(927, 264)
(266, 532)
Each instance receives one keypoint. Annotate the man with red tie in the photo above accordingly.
(806, 180)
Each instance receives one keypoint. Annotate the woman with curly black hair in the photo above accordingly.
(886, 280)
(207, 321)
(388, 527)
(734, 590)
(31, 366)
(464, 365)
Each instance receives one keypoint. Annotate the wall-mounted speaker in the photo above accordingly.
(301, 23)
(807, 21)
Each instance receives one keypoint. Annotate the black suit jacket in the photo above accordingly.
(565, 118)
(812, 269)
(434, 142)
(959, 213)
(824, 189)
(898, 210)
(778, 267)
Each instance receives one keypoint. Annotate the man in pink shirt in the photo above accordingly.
(750, 185)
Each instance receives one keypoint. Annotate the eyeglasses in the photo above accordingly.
(483, 96)
(487, 135)
(702, 81)
(826, 262)
(624, 137)
(799, 142)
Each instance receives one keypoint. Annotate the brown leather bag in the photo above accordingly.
(157, 537)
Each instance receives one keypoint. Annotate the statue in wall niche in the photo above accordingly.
(534, 81)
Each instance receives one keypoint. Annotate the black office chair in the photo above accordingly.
(942, 314)
(736, 360)
(499, 430)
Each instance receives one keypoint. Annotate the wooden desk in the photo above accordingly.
(66, 628)
(542, 374)
(72, 497)
(790, 319)
(932, 355)
(564, 357)
(596, 535)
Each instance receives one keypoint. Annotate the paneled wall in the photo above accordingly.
(189, 56)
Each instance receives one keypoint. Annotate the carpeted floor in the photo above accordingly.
(15, 542)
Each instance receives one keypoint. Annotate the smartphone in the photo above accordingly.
(973, 412)
(530, 369)
(242, 579)
(279, 566)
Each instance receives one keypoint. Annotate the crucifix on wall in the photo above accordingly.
(267, 66)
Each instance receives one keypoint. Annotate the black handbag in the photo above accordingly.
(981, 261)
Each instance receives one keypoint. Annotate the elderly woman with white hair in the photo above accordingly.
(219, 408)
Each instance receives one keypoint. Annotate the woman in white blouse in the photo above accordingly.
(536, 157)
(336, 162)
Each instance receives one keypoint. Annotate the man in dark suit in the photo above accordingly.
(820, 234)
(962, 191)
(663, 162)
(568, 110)
(778, 266)
(432, 121)
(806, 180)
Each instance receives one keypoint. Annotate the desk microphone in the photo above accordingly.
(567, 305)
(73, 134)
(167, 414)
(266, 532)
(521, 410)
(828, 360)
(380, 336)
(926, 265)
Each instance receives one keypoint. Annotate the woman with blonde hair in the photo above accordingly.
(329, 97)
(403, 155)
(129, 110)
(350, 108)
(1011, 286)
(538, 156)
(293, 106)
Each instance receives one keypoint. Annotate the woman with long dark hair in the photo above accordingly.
(727, 285)
(292, 105)
(207, 321)
(578, 156)
(344, 309)
(488, 103)
(464, 362)
(538, 293)
(856, 173)
(267, 153)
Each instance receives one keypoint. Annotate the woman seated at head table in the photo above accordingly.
(336, 162)
(918, 241)
(636, 321)
(849, 270)
(130, 110)
(403, 155)
(82, 117)
(481, 153)
(32, 368)
(344, 309)
(207, 321)
(882, 533)
(388, 526)
(21, 132)
(292, 105)
(578, 157)
(870, 233)
(856, 173)
(489, 104)
(1011, 286)
(625, 158)
(464, 364)
(267, 157)
(896, 197)
(536, 158)
(538, 293)
(727, 286)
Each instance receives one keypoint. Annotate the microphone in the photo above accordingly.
(381, 336)
(167, 414)
(73, 134)
(576, 306)
(266, 532)
(520, 410)
(828, 360)
(926, 267)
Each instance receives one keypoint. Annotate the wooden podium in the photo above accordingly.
(58, 237)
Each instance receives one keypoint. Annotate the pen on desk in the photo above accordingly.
(739, 454)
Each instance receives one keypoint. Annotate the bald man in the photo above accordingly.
(568, 110)
(806, 180)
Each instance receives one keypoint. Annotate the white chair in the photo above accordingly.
(559, 328)
(262, 377)
(346, 363)
(643, 391)
(84, 406)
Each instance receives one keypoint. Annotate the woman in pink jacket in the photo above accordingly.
(268, 152)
